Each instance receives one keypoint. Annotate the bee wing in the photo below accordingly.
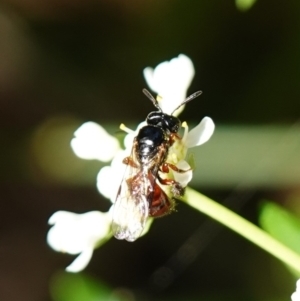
(129, 215)
(131, 208)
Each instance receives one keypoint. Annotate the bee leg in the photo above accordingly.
(165, 167)
(159, 203)
(176, 187)
(129, 161)
(173, 137)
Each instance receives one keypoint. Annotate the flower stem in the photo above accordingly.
(243, 227)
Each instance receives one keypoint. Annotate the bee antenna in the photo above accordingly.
(188, 99)
(150, 96)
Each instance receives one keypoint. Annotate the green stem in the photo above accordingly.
(243, 227)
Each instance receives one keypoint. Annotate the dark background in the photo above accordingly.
(63, 62)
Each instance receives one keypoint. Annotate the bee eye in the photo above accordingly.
(172, 123)
(154, 118)
(166, 122)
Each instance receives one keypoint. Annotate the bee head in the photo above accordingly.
(166, 122)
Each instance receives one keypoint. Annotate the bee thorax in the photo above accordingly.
(149, 139)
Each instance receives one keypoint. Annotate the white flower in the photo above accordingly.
(82, 233)
(200, 134)
(110, 177)
(78, 234)
(296, 295)
(177, 153)
(93, 142)
(170, 80)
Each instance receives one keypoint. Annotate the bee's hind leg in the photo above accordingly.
(176, 187)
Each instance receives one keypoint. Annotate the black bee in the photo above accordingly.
(140, 194)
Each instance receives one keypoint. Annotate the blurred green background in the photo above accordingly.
(64, 62)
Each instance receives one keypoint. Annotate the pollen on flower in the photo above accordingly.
(124, 128)
(177, 151)
(159, 98)
(174, 158)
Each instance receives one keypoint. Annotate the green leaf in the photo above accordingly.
(244, 5)
(281, 224)
(77, 287)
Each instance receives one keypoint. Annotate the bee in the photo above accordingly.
(140, 194)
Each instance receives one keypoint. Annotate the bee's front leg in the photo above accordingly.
(129, 161)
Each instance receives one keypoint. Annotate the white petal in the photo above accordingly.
(296, 295)
(81, 261)
(171, 101)
(72, 233)
(109, 177)
(201, 133)
(176, 74)
(96, 224)
(149, 77)
(104, 180)
(108, 181)
(183, 178)
(187, 71)
(170, 80)
(93, 142)
(59, 215)
(62, 237)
